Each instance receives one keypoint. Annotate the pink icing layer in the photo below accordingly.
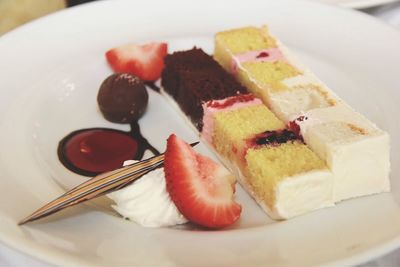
(264, 55)
(208, 117)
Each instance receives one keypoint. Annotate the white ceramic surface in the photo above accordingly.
(357, 3)
(51, 70)
(389, 13)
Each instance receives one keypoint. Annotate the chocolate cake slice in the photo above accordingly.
(192, 78)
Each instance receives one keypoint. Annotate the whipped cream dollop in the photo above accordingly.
(146, 201)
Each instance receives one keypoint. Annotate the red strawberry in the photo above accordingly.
(145, 61)
(201, 189)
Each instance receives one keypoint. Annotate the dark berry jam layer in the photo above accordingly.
(274, 138)
(262, 55)
(294, 125)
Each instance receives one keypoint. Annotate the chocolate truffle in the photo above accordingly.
(122, 98)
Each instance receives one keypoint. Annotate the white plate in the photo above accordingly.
(389, 14)
(357, 3)
(50, 73)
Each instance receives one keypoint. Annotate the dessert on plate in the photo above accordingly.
(291, 142)
(190, 187)
(355, 149)
(270, 160)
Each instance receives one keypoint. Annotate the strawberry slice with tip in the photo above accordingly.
(201, 189)
(145, 61)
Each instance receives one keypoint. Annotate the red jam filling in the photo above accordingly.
(230, 101)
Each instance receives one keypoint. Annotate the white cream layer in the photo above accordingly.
(356, 151)
(147, 202)
(305, 92)
(296, 195)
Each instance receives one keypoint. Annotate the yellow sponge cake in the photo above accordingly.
(338, 134)
(252, 41)
(232, 128)
(271, 161)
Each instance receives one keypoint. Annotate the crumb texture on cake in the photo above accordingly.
(355, 149)
(269, 165)
(268, 78)
(252, 38)
(270, 74)
(192, 77)
(268, 158)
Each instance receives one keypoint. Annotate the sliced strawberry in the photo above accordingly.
(145, 61)
(201, 189)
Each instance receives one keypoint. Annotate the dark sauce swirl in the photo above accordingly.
(92, 151)
(122, 98)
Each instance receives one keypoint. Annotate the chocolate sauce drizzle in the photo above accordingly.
(92, 151)
(143, 143)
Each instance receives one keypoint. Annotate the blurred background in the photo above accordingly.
(17, 12)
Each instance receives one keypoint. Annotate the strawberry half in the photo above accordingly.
(201, 189)
(145, 61)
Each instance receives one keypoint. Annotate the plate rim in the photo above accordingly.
(38, 252)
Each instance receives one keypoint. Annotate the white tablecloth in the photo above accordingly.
(389, 13)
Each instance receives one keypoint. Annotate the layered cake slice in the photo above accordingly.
(192, 78)
(355, 149)
(271, 72)
(271, 162)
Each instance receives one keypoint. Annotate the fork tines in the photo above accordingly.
(97, 186)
